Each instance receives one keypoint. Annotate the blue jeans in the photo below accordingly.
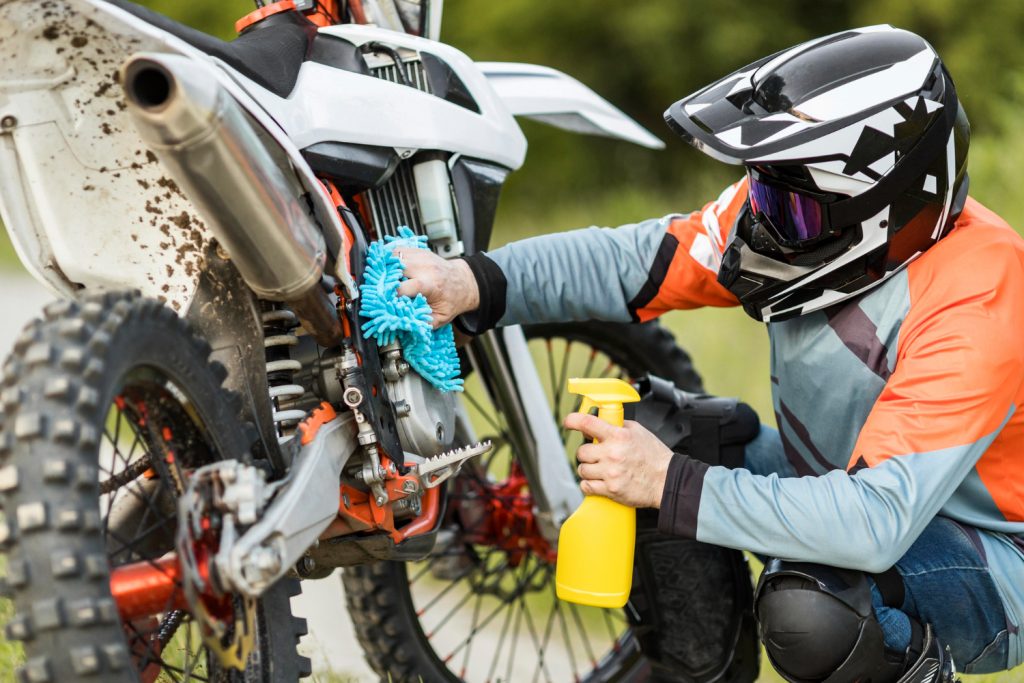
(947, 583)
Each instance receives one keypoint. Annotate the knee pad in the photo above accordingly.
(817, 624)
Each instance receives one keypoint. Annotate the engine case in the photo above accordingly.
(426, 416)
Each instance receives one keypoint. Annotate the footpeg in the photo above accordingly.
(435, 470)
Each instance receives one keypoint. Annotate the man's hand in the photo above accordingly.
(448, 285)
(629, 465)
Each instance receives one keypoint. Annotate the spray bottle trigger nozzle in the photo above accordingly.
(586, 405)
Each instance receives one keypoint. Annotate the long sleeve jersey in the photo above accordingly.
(893, 407)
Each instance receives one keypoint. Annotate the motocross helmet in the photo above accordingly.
(855, 147)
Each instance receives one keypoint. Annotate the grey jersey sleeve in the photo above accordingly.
(631, 273)
(589, 274)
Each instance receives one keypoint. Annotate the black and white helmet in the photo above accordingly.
(855, 146)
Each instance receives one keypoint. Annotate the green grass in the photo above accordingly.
(8, 259)
(10, 652)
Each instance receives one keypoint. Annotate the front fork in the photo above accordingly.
(502, 360)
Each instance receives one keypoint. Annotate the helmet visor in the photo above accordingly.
(795, 218)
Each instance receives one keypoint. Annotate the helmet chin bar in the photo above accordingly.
(758, 270)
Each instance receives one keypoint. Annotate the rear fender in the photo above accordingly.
(87, 205)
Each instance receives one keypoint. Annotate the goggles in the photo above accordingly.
(797, 219)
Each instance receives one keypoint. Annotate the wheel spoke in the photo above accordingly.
(611, 627)
(511, 607)
(536, 643)
(583, 633)
(547, 632)
(564, 627)
(514, 642)
(424, 569)
(131, 545)
(444, 591)
(561, 381)
(551, 373)
(483, 413)
(520, 583)
(472, 632)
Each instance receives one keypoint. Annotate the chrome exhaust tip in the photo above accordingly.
(240, 180)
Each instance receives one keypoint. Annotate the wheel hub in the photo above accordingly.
(508, 521)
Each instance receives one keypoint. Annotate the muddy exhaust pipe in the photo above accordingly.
(239, 179)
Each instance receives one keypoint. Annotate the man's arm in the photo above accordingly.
(957, 382)
(635, 272)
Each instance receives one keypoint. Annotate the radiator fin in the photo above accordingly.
(394, 204)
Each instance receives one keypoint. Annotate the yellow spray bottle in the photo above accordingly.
(595, 545)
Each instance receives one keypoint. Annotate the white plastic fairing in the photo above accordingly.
(550, 96)
(333, 105)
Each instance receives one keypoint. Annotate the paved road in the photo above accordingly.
(331, 642)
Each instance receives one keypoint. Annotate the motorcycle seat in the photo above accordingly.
(269, 53)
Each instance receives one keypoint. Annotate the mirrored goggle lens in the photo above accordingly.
(795, 217)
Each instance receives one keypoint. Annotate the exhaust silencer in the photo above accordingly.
(239, 179)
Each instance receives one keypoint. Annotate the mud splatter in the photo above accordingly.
(143, 183)
(169, 184)
(152, 209)
(51, 32)
(80, 41)
(150, 157)
(183, 220)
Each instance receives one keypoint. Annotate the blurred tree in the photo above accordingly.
(642, 56)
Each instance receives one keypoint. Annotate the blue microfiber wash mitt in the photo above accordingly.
(429, 352)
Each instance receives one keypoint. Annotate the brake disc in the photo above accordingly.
(227, 621)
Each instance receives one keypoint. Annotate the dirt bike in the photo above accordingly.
(199, 423)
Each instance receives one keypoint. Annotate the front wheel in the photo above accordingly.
(483, 606)
(109, 406)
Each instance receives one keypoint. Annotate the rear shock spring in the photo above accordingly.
(278, 337)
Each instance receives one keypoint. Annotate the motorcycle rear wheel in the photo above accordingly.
(109, 403)
(389, 607)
